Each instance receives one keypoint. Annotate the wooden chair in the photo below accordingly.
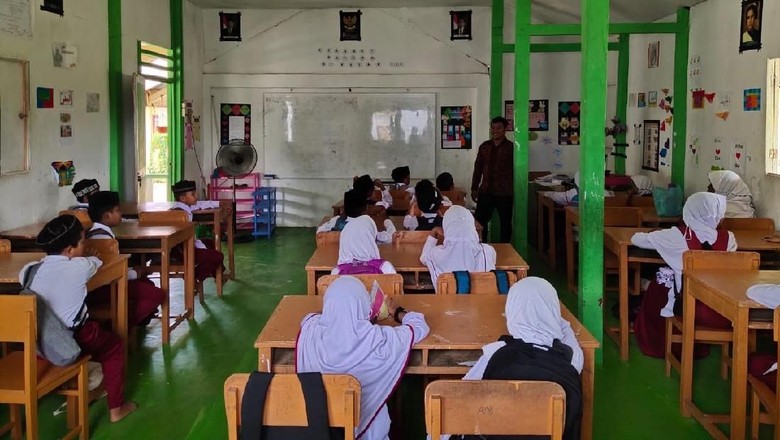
(619, 199)
(638, 201)
(495, 407)
(482, 283)
(330, 237)
(763, 395)
(24, 379)
(456, 196)
(753, 224)
(285, 405)
(5, 246)
(401, 199)
(405, 237)
(703, 260)
(80, 214)
(391, 284)
(104, 247)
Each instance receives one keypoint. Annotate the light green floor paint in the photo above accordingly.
(179, 388)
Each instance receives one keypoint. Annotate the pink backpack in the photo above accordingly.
(361, 267)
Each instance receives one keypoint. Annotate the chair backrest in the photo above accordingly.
(18, 325)
(285, 405)
(328, 237)
(103, 246)
(704, 260)
(495, 407)
(80, 214)
(401, 199)
(623, 217)
(753, 224)
(404, 237)
(619, 199)
(5, 246)
(482, 283)
(456, 196)
(391, 284)
(174, 217)
(641, 201)
(376, 195)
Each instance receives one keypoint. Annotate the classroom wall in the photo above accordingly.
(279, 53)
(193, 87)
(34, 196)
(715, 27)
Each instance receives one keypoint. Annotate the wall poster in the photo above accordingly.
(569, 123)
(235, 122)
(538, 115)
(651, 145)
(456, 127)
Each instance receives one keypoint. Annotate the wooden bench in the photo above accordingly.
(80, 214)
(391, 284)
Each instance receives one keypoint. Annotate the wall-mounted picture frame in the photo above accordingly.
(653, 54)
(750, 25)
(456, 127)
(460, 25)
(509, 115)
(651, 144)
(229, 26)
(349, 25)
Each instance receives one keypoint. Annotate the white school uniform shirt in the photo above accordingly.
(382, 237)
(201, 204)
(445, 201)
(79, 207)
(62, 283)
(411, 223)
(131, 273)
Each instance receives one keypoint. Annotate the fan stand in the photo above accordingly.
(238, 237)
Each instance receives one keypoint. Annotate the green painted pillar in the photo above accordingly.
(175, 100)
(680, 98)
(115, 94)
(595, 34)
(497, 59)
(622, 98)
(522, 94)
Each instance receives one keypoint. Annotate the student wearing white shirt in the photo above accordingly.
(354, 207)
(358, 252)
(427, 202)
(367, 186)
(207, 259)
(401, 179)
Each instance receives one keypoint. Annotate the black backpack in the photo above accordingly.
(253, 403)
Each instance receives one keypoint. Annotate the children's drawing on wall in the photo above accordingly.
(752, 100)
(53, 6)
(724, 100)
(641, 100)
(235, 123)
(44, 97)
(651, 139)
(695, 146)
(739, 157)
(569, 123)
(460, 25)
(652, 98)
(349, 25)
(64, 55)
(750, 29)
(64, 172)
(229, 26)
(653, 54)
(456, 127)
(66, 98)
(664, 154)
(509, 115)
(93, 102)
(722, 115)
(66, 129)
(718, 150)
(538, 115)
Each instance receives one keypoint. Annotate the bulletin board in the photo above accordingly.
(14, 115)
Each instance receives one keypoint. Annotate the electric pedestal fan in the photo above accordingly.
(236, 159)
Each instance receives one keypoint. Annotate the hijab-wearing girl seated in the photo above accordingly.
(740, 201)
(540, 346)
(358, 252)
(342, 340)
(461, 249)
(701, 215)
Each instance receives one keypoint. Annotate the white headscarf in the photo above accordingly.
(342, 341)
(461, 249)
(740, 200)
(533, 312)
(643, 184)
(358, 241)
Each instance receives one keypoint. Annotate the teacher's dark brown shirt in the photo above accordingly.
(494, 169)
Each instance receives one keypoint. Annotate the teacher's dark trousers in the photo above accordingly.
(485, 205)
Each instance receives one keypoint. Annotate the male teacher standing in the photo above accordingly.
(493, 179)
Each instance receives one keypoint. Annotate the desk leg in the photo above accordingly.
(165, 285)
(739, 375)
(218, 246)
(588, 388)
(551, 232)
(231, 254)
(311, 282)
(189, 278)
(264, 358)
(623, 301)
(540, 225)
(569, 226)
(121, 325)
(686, 373)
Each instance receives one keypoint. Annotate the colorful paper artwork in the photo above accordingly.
(235, 123)
(722, 115)
(64, 172)
(709, 97)
(663, 154)
(538, 115)
(718, 144)
(456, 127)
(699, 96)
(569, 123)
(695, 146)
(752, 100)
(66, 98)
(739, 158)
(45, 97)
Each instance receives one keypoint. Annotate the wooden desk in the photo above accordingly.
(547, 207)
(113, 272)
(451, 340)
(651, 218)
(398, 221)
(725, 292)
(213, 217)
(405, 258)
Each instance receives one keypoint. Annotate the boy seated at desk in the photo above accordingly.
(365, 185)
(401, 179)
(424, 213)
(355, 205)
(207, 259)
(61, 281)
(142, 295)
(83, 189)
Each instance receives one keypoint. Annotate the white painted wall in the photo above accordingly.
(193, 84)
(715, 39)
(280, 52)
(35, 196)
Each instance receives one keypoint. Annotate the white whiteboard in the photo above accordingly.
(340, 135)
(16, 18)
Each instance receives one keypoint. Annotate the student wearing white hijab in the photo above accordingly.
(701, 214)
(643, 184)
(342, 340)
(357, 245)
(729, 184)
(461, 249)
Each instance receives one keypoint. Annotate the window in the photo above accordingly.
(14, 115)
(155, 62)
(772, 116)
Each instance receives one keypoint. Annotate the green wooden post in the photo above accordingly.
(497, 59)
(595, 33)
(680, 96)
(115, 94)
(175, 100)
(522, 94)
(622, 99)
(555, 47)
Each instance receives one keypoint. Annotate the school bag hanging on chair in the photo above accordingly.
(463, 281)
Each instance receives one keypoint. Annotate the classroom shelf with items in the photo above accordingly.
(221, 188)
(265, 211)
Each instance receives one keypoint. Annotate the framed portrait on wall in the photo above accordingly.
(460, 25)
(349, 25)
(229, 26)
(651, 139)
(750, 25)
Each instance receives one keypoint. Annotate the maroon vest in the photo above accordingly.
(694, 244)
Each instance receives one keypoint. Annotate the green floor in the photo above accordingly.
(179, 388)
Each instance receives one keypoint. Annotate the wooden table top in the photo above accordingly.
(406, 257)
(12, 263)
(131, 209)
(446, 315)
(732, 285)
(650, 215)
(747, 240)
(126, 230)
